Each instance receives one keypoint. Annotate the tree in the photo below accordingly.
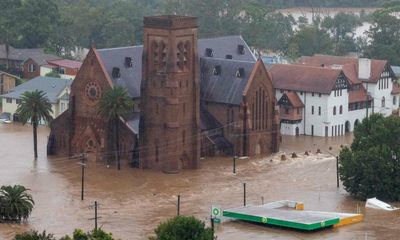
(96, 234)
(183, 228)
(264, 28)
(371, 166)
(38, 20)
(115, 104)
(385, 37)
(8, 17)
(34, 107)
(34, 235)
(309, 40)
(16, 203)
(342, 29)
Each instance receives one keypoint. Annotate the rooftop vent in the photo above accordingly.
(128, 62)
(217, 70)
(228, 56)
(241, 49)
(209, 52)
(116, 72)
(240, 73)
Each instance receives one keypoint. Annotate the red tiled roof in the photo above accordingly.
(396, 88)
(66, 63)
(359, 95)
(294, 99)
(349, 66)
(304, 78)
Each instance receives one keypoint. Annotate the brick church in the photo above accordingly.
(192, 98)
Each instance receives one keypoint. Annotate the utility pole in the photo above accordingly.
(178, 205)
(234, 163)
(212, 225)
(82, 163)
(366, 102)
(96, 217)
(337, 172)
(244, 194)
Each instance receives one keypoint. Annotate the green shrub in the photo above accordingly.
(183, 228)
(34, 235)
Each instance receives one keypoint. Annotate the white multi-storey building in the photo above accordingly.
(328, 95)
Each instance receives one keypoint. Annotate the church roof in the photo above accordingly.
(131, 77)
(224, 80)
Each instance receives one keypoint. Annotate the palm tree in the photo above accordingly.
(15, 203)
(34, 107)
(115, 103)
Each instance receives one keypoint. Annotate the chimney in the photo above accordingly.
(364, 68)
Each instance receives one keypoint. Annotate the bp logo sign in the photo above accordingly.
(264, 220)
(216, 211)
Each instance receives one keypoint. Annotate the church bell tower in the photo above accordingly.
(169, 132)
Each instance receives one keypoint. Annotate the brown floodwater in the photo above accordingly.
(133, 202)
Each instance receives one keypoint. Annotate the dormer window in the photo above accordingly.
(240, 73)
(209, 52)
(217, 70)
(228, 56)
(116, 73)
(128, 62)
(241, 49)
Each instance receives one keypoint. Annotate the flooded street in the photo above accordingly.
(133, 202)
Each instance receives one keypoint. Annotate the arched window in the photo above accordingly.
(340, 109)
(334, 110)
(383, 102)
(394, 100)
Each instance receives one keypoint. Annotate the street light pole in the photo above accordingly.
(234, 164)
(337, 172)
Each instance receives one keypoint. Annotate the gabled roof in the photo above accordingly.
(225, 87)
(359, 95)
(6, 73)
(294, 99)
(19, 54)
(228, 45)
(130, 77)
(42, 59)
(304, 78)
(66, 63)
(51, 86)
(348, 64)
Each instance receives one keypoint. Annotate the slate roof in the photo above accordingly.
(396, 71)
(42, 59)
(304, 78)
(51, 86)
(225, 87)
(133, 121)
(223, 46)
(19, 54)
(294, 99)
(349, 66)
(131, 77)
(66, 63)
